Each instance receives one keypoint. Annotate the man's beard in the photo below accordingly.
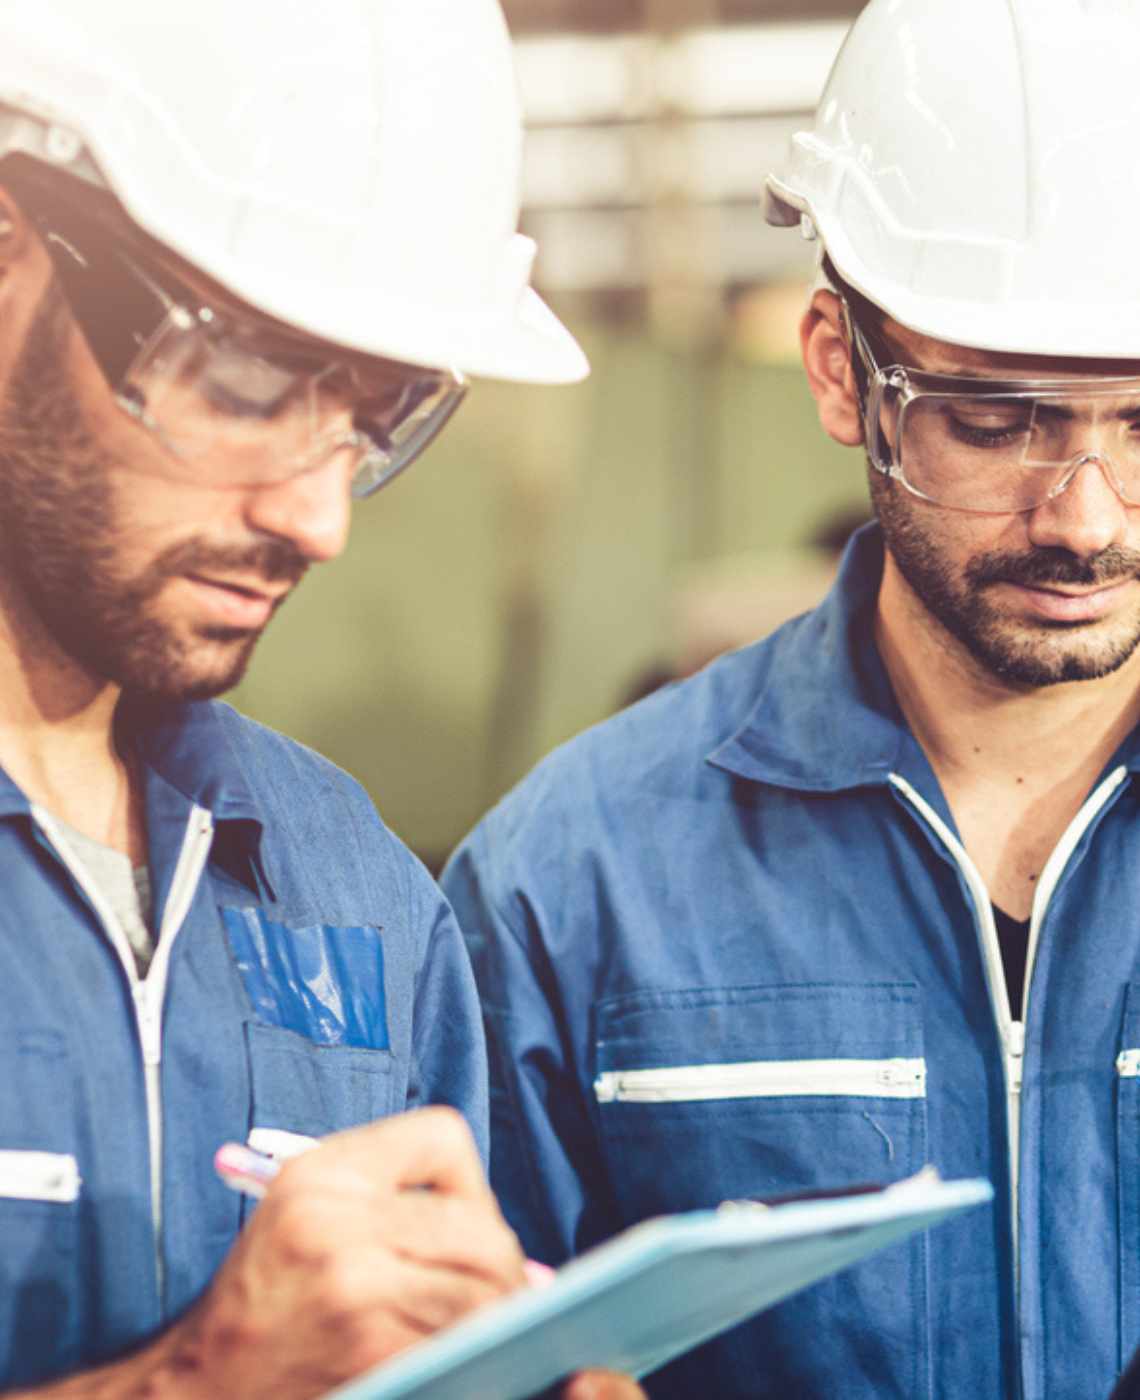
(1016, 651)
(61, 532)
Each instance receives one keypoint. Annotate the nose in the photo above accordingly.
(1086, 515)
(311, 510)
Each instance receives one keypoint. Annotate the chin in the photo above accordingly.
(201, 670)
(1059, 664)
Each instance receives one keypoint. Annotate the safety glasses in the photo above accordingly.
(234, 399)
(994, 446)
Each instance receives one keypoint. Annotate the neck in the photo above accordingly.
(968, 720)
(57, 739)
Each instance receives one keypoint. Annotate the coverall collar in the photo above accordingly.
(188, 746)
(185, 744)
(826, 719)
(186, 757)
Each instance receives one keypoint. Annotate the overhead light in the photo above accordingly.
(742, 69)
(572, 79)
(750, 69)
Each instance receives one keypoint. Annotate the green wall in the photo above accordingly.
(503, 594)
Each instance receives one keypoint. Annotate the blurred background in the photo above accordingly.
(560, 551)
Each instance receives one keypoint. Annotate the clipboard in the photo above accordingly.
(659, 1289)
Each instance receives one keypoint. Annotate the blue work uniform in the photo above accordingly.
(729, 944)
(308, 977)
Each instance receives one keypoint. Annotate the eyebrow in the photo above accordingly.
(1067, 415)
(1058, 413)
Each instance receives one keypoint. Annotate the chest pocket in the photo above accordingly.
(40, 1188)
(317, 1041)
(713, 1094)
(313, 1090)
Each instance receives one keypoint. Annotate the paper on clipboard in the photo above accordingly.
(658, 1290)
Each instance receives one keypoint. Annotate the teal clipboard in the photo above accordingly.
(659, 1289)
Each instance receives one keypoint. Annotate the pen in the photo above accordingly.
(245, 1169)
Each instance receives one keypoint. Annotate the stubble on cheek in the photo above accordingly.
(963, 598)
(77, 568)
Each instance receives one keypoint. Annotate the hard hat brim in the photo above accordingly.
(361, 185)
(532, 347)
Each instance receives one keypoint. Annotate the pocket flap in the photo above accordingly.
(813, 1021)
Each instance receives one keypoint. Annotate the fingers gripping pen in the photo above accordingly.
(251, 1172)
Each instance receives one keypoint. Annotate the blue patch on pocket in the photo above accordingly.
(324, 982)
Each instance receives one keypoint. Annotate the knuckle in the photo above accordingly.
(226, 1334)
(297, 1175)
(343, 1293)
(296, 1237)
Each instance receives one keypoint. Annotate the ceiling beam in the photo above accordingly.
(613, 16)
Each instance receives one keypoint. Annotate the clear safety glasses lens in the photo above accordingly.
(233, 400)
(995, 446)
(1007, 450)
(240, 407)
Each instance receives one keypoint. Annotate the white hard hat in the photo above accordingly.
(974, 170)
(351, 168)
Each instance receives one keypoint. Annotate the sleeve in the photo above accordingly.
(449, 1059)
(546, 1168)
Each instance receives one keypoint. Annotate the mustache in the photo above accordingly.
(1045, 566)
(271, 561)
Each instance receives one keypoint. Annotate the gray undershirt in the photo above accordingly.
(125, 888)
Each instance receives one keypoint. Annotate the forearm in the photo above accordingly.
(346, 1262)
(170, 1368)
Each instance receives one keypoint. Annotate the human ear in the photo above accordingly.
(15, 231)
(25, 274)
(827, 361)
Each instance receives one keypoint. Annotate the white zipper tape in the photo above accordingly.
(39, 1176)
(280, 1144)
(747, 1079)
(1012, 1040)
(150, 993)
(1011, 1030)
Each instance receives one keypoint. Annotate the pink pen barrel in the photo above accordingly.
(245, 1170)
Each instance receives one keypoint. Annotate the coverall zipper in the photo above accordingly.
(1011, 1032)
(149, 993)
(892, 1079)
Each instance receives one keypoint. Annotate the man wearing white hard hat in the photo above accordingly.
(867, 895)
(247, 262)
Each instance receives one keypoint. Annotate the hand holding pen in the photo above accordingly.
(344, 1263)
(251, 1172)
(366, 1244)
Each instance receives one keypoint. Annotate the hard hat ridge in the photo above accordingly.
(962, 166)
